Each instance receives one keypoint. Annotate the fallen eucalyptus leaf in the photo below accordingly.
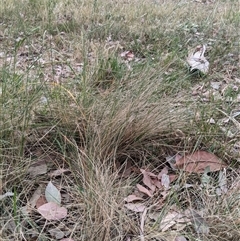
(51, 211)
(147, 180)
(52, 194)
(198, 161)
(144, 190)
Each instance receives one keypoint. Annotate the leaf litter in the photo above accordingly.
(52, 210)
(159, 185)
(170, 219)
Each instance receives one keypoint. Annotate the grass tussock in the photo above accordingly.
(71, 101)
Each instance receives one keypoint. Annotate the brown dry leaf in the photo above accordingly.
(132, 198)
(147, 180)
(136, 207)
(144, 190)
(172, 177)
(42, 200)
(52, 211)
(157, 183)
(198, 161)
